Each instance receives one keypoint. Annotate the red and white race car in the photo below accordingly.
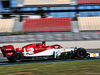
(40, 50)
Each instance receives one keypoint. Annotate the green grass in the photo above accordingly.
(61, 68)
(94, 49)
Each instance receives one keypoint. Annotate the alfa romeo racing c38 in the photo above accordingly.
(40, 50)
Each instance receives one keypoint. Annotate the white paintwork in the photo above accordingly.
(24, 51)
(43, 53)
(94, 54)
(69, 49)
(51, 52)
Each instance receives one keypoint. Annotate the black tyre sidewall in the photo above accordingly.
(16, 54)
(81, 50)
(10, 59)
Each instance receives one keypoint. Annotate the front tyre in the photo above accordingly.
(17, 57)
(81, 53)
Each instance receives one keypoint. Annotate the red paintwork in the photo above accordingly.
(9, 48)
(29, 49)
(56, 45)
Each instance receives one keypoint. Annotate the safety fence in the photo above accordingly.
(51, 37)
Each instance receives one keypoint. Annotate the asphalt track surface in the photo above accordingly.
(5, 62)
(94, 44)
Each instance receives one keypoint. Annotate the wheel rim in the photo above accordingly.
(81, 53)
(18, 56)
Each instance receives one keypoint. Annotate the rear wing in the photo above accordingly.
(7, 50)
(1, 48)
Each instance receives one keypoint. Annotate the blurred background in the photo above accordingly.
(49, 20)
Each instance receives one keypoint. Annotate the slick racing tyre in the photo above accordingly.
(81, 53)
(17, 57)
(10, 59)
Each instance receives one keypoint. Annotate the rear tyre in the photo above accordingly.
(10, 59)
(81, 53)
(17, 57)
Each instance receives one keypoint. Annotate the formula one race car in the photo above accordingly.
(40, 50)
